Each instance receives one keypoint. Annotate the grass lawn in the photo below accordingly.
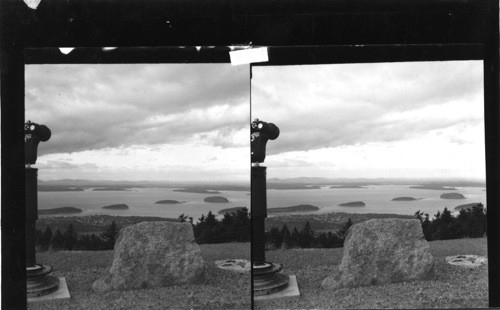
(223, 289)
(453, 287)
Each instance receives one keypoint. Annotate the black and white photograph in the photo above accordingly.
(253, 154)
(143, 185)
(376, 189)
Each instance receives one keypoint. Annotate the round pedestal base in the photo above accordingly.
(38, 282)
(267, 279)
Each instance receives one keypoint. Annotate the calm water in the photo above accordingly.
(142, 200)
(377, 199)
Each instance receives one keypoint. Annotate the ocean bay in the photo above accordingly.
(141, 202)
(376, 197)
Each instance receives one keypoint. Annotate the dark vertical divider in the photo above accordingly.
(492, 135)
(12, 160)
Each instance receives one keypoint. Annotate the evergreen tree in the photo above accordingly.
(96, 243)
(294, 237)
(306, 236)
(46, 239)
(110, 235)
(274, 237)
(70, 238)
(58, 241)
(342, 233)
(286, 242)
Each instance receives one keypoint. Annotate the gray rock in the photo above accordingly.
(383, 251)
(154, 254)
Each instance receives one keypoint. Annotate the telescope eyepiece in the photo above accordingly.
(260, 133)
(269, 129)
(33, 134)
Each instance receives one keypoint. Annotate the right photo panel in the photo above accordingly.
(369, 186)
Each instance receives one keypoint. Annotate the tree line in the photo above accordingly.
(306, 238)
(469, 223)
(70, 240)
(233, 227)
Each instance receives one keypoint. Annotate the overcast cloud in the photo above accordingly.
(365, 106)
(141, 121)
(91, 107)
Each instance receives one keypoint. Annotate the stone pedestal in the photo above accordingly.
(38, 280)
(266, 277)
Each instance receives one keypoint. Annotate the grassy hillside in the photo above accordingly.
(223, 289)
(453, 287)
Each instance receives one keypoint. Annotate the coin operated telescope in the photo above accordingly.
(266, 277)
(38, 282)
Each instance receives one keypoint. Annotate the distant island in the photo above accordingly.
(347, 186)
(62, 210)
(196, 190)
(111, 189)
(216, 199)
(120, 206)
(434, 187)
(58, 188)
(230, 210)
(285, 186)
(405, 199)
(297, 208)
(353, 204)
(167, 202)
(452, 196)
(467, 206)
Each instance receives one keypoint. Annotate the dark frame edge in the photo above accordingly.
(492, 145)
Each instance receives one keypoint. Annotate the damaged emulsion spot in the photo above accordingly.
(32, 4)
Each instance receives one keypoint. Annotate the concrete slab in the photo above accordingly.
(62, 293)
(292, 290)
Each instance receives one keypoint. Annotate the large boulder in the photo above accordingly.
(154, 254)
(383, 251)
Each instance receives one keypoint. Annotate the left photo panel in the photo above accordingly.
(137, 186)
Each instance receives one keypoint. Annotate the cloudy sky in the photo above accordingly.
(176, 122)
(411, 120)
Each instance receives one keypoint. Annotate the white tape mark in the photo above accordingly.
(108, 48)
(247, 56)
(198, 48)
(32, 4)
(66, 50)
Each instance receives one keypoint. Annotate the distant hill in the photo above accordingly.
(381, 181)
(230, 210)
(467, 206)
(196, 190)
(325, 221)
(452, 196)
(297, 208)
(58, 188)
(434, 187)
(62, 210)
(208, 185)
(286, 186)
(347, 186)
(93, 223)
